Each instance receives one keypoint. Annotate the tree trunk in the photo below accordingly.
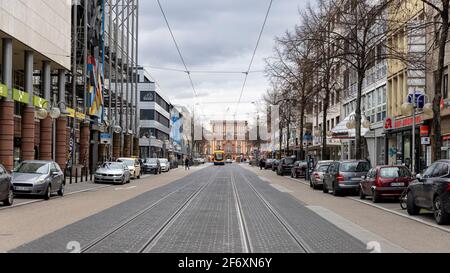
(325, 154)
(302, 123)
(358, 137)
(437, 143)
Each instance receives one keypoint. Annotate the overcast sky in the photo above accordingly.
(212, 35)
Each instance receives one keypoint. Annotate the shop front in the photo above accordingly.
(399, 143)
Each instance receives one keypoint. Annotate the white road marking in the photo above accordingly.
(281, 188)
(264, 179)
(365, 236)
(129, 188)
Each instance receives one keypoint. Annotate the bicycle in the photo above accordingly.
(403, 199)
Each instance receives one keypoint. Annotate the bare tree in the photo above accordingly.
(441, 8)
(293, 64)
(353, 30)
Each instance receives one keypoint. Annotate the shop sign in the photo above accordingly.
(3, 90)
(406, 122)
(424, 130)
(425, 141)
(105, 139)
(39, 102)
(388, 124)
(21, 96)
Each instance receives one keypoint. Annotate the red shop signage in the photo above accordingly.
(406, 122)
(446, 138)
(424, 130)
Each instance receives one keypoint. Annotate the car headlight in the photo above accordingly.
(41, 181)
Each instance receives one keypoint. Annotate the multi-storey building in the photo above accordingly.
(404, 79)
(35, 45)
(154, 117)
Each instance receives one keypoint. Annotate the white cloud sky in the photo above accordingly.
(212, 35)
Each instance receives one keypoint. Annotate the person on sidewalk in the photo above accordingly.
(186, 163)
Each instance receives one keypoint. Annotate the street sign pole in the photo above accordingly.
(413, 159)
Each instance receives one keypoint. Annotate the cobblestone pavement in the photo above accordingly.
(216, 209)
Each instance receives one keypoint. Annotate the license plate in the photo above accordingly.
(22, 189)
(356, 179)
(397, 184)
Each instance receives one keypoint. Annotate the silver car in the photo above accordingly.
(165, 165)
(36, 177)
(316, 178)
(113, 172)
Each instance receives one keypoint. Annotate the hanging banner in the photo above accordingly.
(3, 90)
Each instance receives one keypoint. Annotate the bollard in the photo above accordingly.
(71, 174)
(90, 175)
(87, 175)
(81, 176)
(76, 176)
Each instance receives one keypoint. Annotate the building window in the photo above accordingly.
(147, 114)
(147, 96)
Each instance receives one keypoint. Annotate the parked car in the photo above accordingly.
(268, 165)
(432, 191)
(165, 166)
(317, 175)
(133, 166)
(6, 188)
(285, 165)
(35, 177)
(113, 172)
(228, 161)
(344, 176)
(152, 165)
(385, 181)
(275, 165)
(299, 169)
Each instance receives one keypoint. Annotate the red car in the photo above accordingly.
(385, 181)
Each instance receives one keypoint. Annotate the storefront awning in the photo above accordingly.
(341, 130)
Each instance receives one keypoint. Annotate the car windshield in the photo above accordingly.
(394, 172)
(151, 160)
(128, 162)
(289, 160)
(38, 168)
(163, 160)
(113, 166)
(355, 167)
(322, 168)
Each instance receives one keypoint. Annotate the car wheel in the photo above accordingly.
(336, 191)
(440, 215)
(375, 197)
(10, 199)
(325, 188)
(61, 190)
(362, 196)
(48, 193)
(410, 206)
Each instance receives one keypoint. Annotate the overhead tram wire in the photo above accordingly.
(201, 71)
(254, 54)
(178, 49)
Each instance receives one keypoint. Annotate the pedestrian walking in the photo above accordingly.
(186, 163)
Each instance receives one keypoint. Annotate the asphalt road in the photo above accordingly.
(216, 209)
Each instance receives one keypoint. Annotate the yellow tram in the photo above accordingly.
(219, 158)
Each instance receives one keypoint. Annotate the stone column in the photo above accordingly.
(46, 124)
(28, 112)
(84, 144)
(127, 146)
(116, 145)
(61, 124)
(136, 149)
(7, 109)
